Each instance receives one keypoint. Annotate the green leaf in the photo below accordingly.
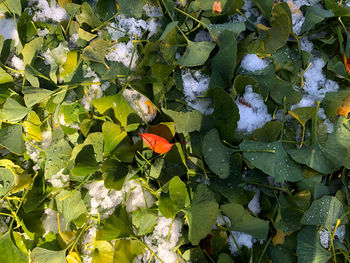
(216, 30)
(144, 222)
(43, 255)
(118, 225)
(292, 209)
(103, 252)
(332, 101)
(272, 159)
(268, 133)
(156, 168)
(6, 180)
(243, 221)
(187, 121)
(224, 62)
(194, 255)
(34, 95)
(5, 77)
(196, 53)
(13, 111)
(314, 15)
(122, 110)
(105, 9)
(202, 214)
(225, 258)
(12, 139)
(70, 205)
(309, 249)
(225, 115)
(25, 28)
(216, 155)
(112, 136)
(85, 162)
(96, 51)
(57, 155)
(9, 252)
(272, 38)
(15, 6)
(265, 6)
(322, 157)
(324, 211)
(126, 250)
(178, 192)
(88, 16)
(133, 8)
(169, 27)
(31, 49)
(114, 174)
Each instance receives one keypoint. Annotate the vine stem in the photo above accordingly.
(21, 202)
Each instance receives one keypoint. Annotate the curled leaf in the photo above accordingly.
(156, 143)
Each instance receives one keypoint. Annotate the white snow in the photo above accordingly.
(95, 90)
(46, 139)
(42, 32)
(17, 63)
(306, 45)
(242, 239)
(45, 12)
(253, 116)
(152, 11)
(195, 84)
(8, 28)
(254, 204)
(103, 200)
(202, 35)
(122, 52)
(251, 62)
(316, 85)
(163, 239)
(138, 197)
(324, 238)
(133, 97)
(59, 179)
(50, 223)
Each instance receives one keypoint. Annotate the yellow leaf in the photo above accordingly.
(278, 238)
(73, 257)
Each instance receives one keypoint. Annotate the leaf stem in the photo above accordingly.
(195, 19)
(152, 252)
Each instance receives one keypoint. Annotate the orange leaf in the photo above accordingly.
(347, 64)
(217, 7)
(156, 143)
(344, 109)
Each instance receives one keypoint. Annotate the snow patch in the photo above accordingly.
(251, 62)
(140, 103)
(163, 239)
(195, 84)
(8, 28)
(59, 179)
(242, 239)
(45, 12)
(253, 112)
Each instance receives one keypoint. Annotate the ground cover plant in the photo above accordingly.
(174, 131)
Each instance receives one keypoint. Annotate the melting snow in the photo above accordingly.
(253, 116)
